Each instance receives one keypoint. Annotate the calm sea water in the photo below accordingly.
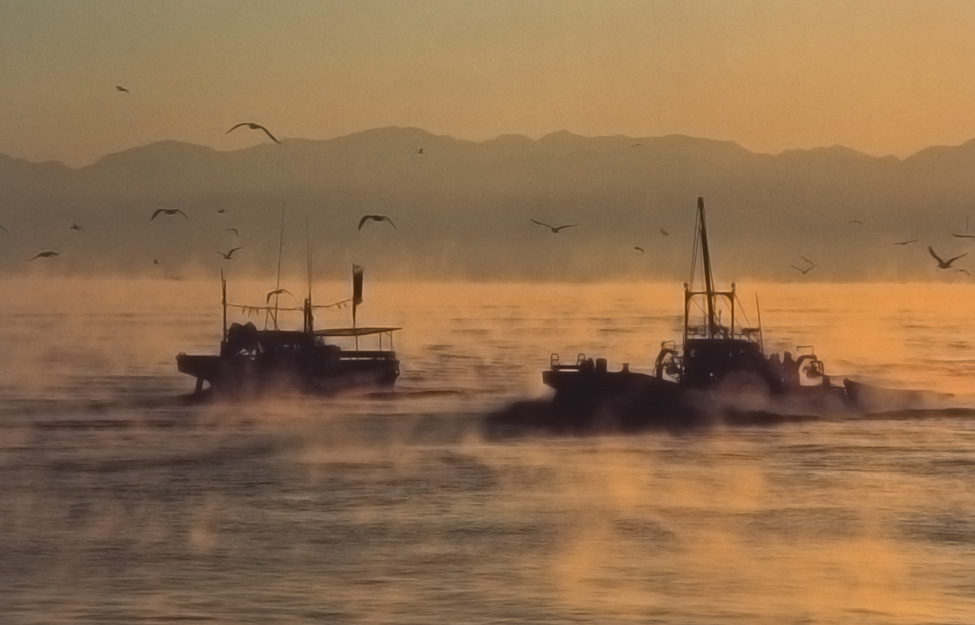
(121, 503)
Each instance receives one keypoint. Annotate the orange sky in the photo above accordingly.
(881, 76)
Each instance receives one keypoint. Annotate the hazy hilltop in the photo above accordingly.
(462, 209)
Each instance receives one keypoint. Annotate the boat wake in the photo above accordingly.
(545, 417)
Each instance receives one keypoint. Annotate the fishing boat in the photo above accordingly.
(254, 361)
(720, 371)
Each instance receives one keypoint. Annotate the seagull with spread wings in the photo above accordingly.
(253, 126)
(122, 89)
(942, 263)
(366, 218)
(271, 294)
(554, 229)
(43, 255)
(168, 211)
(229, 255)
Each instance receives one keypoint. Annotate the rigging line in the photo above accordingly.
(741, 308)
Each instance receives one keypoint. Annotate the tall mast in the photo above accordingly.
(708, 279)
(309, 322)
(223, 301)
(277, 286)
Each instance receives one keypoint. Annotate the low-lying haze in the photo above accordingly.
(462, 209)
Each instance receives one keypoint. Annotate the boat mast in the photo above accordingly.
(223, 301)
(708, 279)
(277, 286)
(309, 321)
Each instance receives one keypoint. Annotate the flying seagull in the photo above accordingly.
(121, 89)
(76, 227)
(168, 211)
(855, 221)
(806, 259)
(253, 126)
(275, 292)
(944, 264)
(803, 271)
(234, 230)
(664, 232)
(964, 236)
(639, 249)
(366, 218)
(965, 271)
(554, 229)
(229, 255)
(906, 242)
(43, 255)
(420, 151)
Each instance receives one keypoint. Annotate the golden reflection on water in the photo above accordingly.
(381, 509)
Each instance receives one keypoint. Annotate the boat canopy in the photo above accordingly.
(354, 331)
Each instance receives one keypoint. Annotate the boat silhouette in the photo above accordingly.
(720, 372)
(254, 362)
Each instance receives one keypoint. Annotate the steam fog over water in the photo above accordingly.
(122, 503)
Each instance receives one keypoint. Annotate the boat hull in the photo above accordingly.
(593, 401)
(246, 375)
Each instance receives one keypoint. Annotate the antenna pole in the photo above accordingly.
(761, 334)
(223, 301)
(278, 284)
(309, 322)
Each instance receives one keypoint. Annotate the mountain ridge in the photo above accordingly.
(463, 208)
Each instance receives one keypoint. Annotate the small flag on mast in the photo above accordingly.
(356, 289)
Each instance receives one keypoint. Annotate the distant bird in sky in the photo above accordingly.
(965, 271)
(155, 261)
(4, 229)
(803, 271)
(963, 236)
(253, 126)
(639, 249)
(275, 292)
(168, 211)
(664, 232)
(942, 263)
(221, 211)
(806, 259)
(76, 227)
(906, 242)
(121, 89)
(554, 229)
(637, 145)
(366, 218)
(234, 230)
(229, 255)
(855, 221)
(43, 255)
(420, 151)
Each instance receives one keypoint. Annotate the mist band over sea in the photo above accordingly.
(120, 502)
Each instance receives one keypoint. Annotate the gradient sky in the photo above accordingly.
(880, 76)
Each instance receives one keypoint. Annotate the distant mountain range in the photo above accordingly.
(462, 209)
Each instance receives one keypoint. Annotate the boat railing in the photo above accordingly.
(555, 365)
